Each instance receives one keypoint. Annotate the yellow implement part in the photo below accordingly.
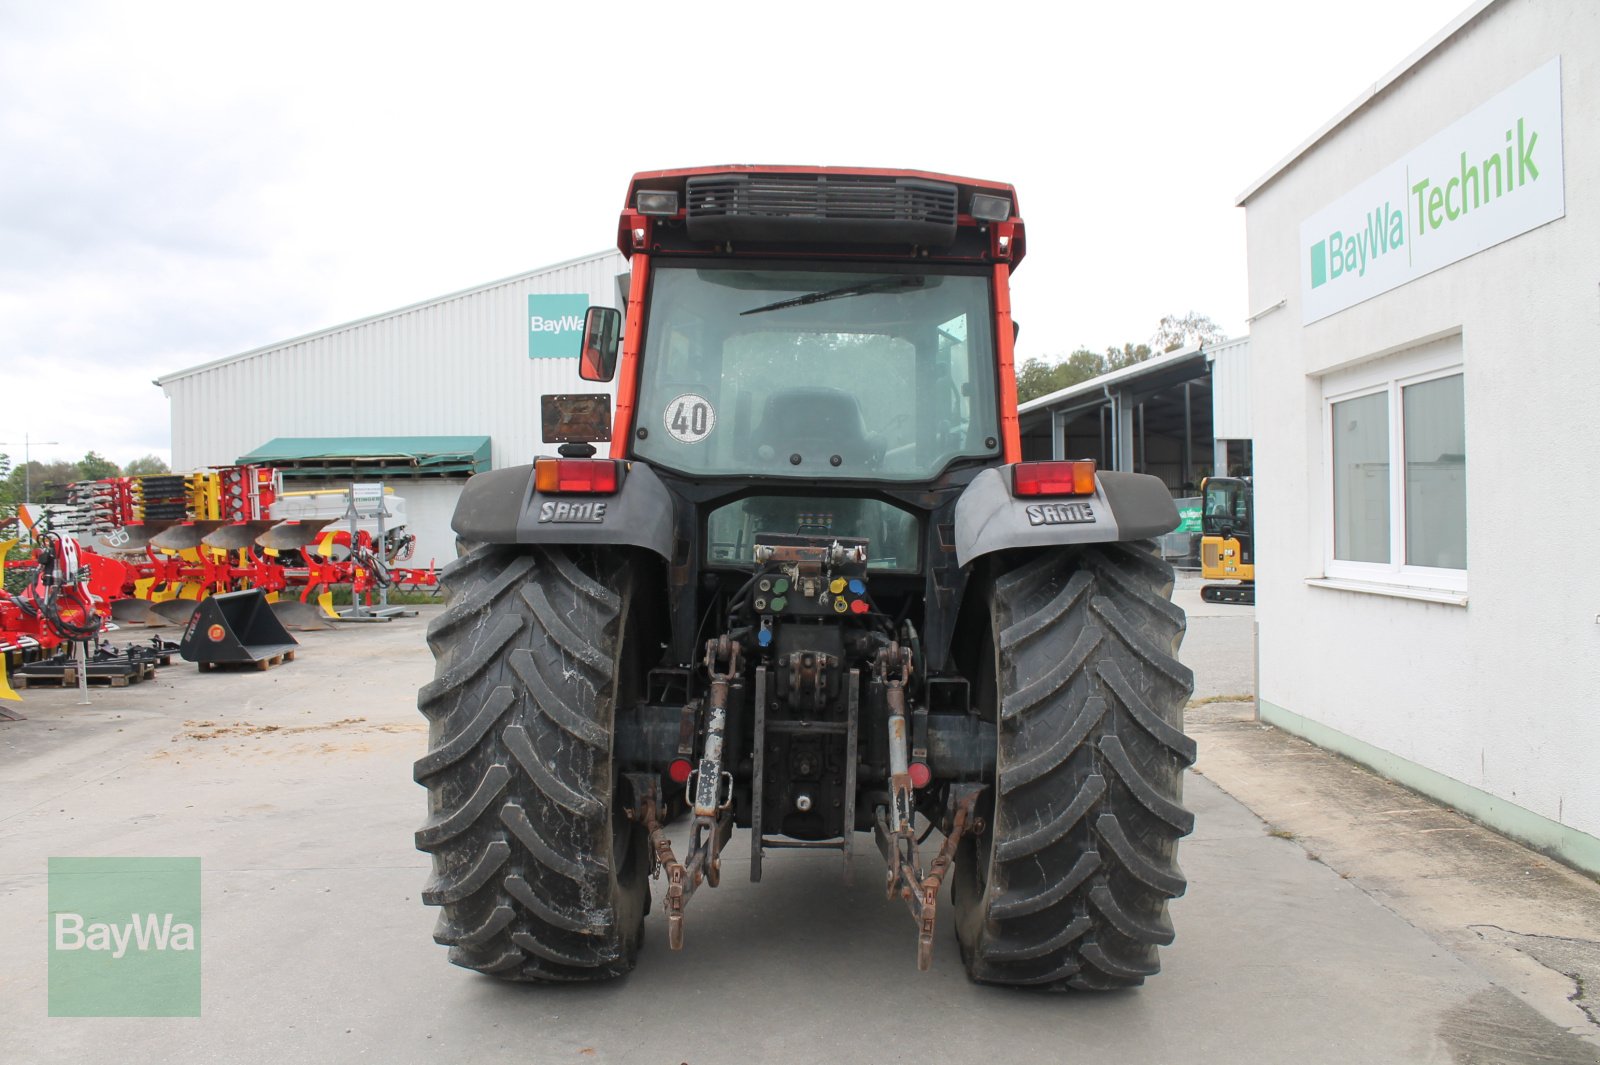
(205, 496)
(325, 549)
(325, 601)
(6, 691)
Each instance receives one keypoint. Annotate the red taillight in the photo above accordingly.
(1074, 478)
(588, 476)
(678, 771)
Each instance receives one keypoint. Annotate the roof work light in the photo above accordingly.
(987, 208)
(657, 202)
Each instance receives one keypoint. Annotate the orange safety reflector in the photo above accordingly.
(1072, 478)
(591, 476)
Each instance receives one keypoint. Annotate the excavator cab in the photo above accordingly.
(1227, 540)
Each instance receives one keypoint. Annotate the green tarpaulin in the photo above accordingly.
(373, 456)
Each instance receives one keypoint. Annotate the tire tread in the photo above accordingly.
(1082, 856)
(518, 771)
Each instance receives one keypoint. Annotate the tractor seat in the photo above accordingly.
(812, 421)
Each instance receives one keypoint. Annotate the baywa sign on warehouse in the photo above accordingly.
(1492, 175)
(555, 325)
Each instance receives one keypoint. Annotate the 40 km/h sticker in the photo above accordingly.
(690, 418)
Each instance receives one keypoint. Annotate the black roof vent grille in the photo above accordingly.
(821, 208)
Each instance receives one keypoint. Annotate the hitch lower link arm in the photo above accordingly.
(710, 795)
(896, 832)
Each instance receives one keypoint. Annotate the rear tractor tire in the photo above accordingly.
(1069, 884)
(538, 873)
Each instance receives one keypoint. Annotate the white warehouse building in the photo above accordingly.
(1422, 277)
(419, 398)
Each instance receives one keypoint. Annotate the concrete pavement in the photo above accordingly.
(294, 788)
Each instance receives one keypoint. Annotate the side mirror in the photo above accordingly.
(602, 329)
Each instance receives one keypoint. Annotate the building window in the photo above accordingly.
(1397, 462)
(1361, 478)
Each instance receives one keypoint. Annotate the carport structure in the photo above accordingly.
(1179, 416)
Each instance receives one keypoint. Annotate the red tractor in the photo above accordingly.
(814, 592)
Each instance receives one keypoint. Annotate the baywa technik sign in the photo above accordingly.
(555, 325)
(1492, 175)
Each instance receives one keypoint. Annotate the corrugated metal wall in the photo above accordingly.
(458, 365)
(1230, 390)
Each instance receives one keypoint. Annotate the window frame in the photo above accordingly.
(1390, 377)
(986, 385)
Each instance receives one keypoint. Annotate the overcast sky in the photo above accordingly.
(180, 182)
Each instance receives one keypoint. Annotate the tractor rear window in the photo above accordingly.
(891, 533)
(884, 374)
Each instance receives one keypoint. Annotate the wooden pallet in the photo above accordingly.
(67, 677)
(260, 663)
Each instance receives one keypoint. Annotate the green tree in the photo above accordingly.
(94, 467)
(145, 466)
(1186, 331)
(1127, 355)
(8, 497)
(1036, 378)
(44, 482)
(1040, 377)
(1083, 365)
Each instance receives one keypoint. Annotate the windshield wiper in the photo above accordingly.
(882, 284)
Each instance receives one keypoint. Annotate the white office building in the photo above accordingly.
(1424, 281)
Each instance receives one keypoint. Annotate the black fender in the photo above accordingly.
(1125, 506)
(504, 507)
